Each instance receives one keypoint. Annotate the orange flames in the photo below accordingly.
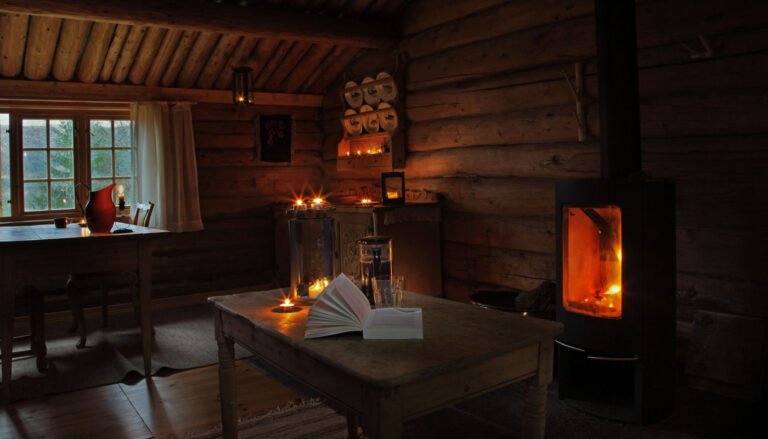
(592, 260)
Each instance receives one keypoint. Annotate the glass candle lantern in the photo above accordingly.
(311, 254)
(375, 262)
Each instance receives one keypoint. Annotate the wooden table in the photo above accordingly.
(31, 253)
(466, 351)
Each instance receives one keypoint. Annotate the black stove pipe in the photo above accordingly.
(620, 151)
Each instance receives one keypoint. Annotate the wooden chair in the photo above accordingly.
(32, 298)
(82, 284)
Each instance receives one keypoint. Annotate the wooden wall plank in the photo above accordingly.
(128, 53)
(332, 71)
(41, 44)
(178, 59)
(146, 55)
(261, 55)
(222, 53)
(554, 124)
(197, 58)
(556, 160)
(423, 15)
(501, 230)
(314, 57)
(164, 54)
(329, 60)
(13, 40)
(493, 96)
(282, 23)
(498, 266)
(292, 58)
(240, 56)
(69, 49)
(113, 53)
(492, 23)
(95, 51)
(270, 65)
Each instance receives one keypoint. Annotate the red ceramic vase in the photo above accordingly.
(100, 210)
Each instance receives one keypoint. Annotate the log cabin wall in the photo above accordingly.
(492, 125)
(236, 249)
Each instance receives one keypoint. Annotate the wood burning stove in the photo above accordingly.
(616, 296)
(616, 255)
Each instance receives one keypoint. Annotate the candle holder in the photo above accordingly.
(311, 247)
(287, 306)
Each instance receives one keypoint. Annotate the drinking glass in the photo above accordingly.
(388, 292)
(398, 285)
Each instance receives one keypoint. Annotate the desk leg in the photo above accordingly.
(7, 296)
(144, 263)
(226, 380)
(535, 399)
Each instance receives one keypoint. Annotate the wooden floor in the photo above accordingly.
(165, 407)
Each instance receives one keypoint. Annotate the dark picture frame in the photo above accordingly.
(275, 138)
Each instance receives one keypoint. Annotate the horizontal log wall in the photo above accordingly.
(236, 249)
(492, 127)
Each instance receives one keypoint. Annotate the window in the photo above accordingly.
(44, 155)
(111, 156)
(48, 157)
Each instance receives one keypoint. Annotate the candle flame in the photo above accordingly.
(366, 201)
(317, 201)
(299, 202)
(287, 303)
(317, 287)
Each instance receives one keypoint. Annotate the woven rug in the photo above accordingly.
(184, 339)
(299, 420)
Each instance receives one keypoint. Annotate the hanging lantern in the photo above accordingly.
(393, 188)
(242, 86)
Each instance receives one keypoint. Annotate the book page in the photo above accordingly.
(340, 308)
(394, 323)
(352, 296)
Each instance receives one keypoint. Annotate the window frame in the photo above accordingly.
(81, 118)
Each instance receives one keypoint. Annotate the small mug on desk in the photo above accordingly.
(60, 223)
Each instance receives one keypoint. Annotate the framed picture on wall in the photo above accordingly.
(275, 138)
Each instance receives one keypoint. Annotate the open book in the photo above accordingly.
(342, 307)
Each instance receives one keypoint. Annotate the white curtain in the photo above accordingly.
(166, 168)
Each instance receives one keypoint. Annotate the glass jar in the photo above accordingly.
(375, 262)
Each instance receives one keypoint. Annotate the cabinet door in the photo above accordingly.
(350, 227)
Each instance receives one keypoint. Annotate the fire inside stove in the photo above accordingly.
(592, 261)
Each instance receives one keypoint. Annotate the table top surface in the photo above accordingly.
(455, 335)
(13, 235)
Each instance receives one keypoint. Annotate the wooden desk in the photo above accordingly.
(31, 253)
(466, 351)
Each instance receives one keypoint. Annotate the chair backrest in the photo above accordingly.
(143, 213)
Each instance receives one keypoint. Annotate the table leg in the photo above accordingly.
(7, 296)
(535, 399)
(383, 419)
(144, 255)
(352, 424)
(226, 380)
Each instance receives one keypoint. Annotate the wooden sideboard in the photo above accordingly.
(414, 229)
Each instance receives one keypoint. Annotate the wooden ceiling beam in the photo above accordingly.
(22, 89)
(218, 18)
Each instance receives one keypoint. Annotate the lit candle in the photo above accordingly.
(317, 201)
(82, 222)
(286, 305)
(298, 204)
(121, 196)
(317, 287)
(366, 201)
